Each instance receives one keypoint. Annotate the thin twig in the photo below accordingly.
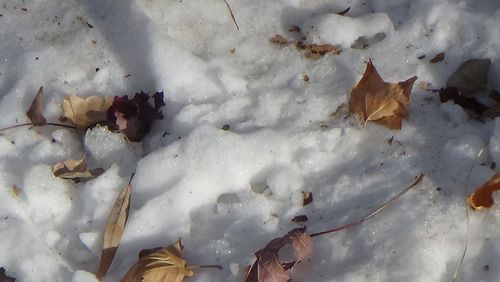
(457, 270)
(31, 124)
(373, 213)
(232, 15)
(205, 266)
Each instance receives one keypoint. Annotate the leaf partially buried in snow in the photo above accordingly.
(483, 196)
(135, 117)
(76, 170)
(84, 112)
(470, 77)
(114, 229)
(160, 264)
(35, 112)
(373, 99)
(468, 103)
(269, 267)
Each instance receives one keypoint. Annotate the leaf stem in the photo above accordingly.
(205, 266)
(374, 212)
(232, 15)
(32, 124)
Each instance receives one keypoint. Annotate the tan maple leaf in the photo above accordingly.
(373, 99)
(160, 264)
(84, 112)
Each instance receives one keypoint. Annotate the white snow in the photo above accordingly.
(226, 193)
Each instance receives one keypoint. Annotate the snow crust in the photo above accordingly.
(226, 193)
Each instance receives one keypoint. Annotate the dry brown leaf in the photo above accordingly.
(35, 111)
(114, 229)
(84, 112)
(279, 40)
(268, 266)
(76, 170)
(483, 196)
(160, 264)
(438, 58)
(307, 198)
(373, 99)
(315, 51)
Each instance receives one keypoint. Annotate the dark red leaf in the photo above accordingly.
(134, 117)
(300, 218)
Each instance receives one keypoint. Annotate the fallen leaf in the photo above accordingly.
(373, 99)
(159, 264)
(438, 58)
(469, 103)
(134, 117)
(470, 77)
(114, 229)
(84, 112)
(307, 198)
(76, 170)
(35, 111)
(4, 277)
(300, 218)
(268, 267)
(483, 196)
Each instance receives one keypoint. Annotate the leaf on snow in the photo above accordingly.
(35, 111)
(470, 77)
(159, 264)
(268, 266)
(4, 277)
(373, 99)
(134, 117)
(454, 94)
(307, 198)
(76, 170)
(483, 196)
(438, 58)
(114, 229)
(84, 112)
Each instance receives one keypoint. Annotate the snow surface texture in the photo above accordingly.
(227, 193)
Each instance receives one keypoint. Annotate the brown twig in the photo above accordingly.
(205, 266)
(31, 124)
(373, 213)
(232, 15)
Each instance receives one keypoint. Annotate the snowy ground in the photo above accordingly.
(227, 193)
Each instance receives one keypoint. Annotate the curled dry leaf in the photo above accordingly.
(114, 229)
(483, 196)
(84, 112)
(160, 264)
(35, 111)
(135, 117)
(76, 170)
(268, 266)
(373, 99)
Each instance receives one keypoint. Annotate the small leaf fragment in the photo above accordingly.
(373, 99)
(268, 267)
(483, 196)
(4, 277)
(76, 170)
(35, 111)
(470, 77)
(455, 95)
(438, 58)
(114, 229)
(307, 198)
(159, 264)
(84, 112)
(300, 218)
